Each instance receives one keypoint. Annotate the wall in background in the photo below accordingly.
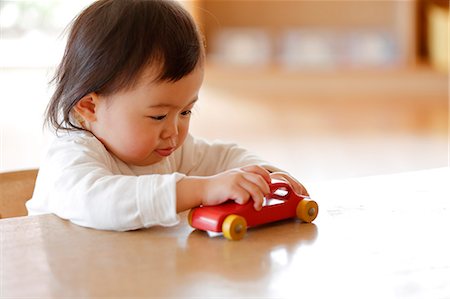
(31, 45)
(396, 96)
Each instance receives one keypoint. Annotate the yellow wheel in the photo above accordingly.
(191, 212)
(234, 227)
(307, 210)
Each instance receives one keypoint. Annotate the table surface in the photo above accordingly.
(375, 237)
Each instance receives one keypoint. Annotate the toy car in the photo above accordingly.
(232, 219)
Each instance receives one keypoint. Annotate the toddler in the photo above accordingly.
(123, 158)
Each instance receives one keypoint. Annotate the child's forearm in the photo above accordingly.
(189, 193)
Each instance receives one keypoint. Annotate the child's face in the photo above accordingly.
(143, 125)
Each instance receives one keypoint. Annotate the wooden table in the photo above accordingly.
(375, 237)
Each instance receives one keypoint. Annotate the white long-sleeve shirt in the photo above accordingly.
(81, 181)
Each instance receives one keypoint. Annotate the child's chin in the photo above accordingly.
(145, 162)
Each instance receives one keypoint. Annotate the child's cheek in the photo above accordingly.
(182, 136)
(140, 143)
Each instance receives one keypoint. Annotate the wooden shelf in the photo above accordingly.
(400, 19)
(420, 81)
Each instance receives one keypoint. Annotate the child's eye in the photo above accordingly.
(186, 113)
(158, 117)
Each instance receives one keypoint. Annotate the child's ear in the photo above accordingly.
(86, 107)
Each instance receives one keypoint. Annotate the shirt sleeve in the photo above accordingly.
(199, 157)
(79, 182)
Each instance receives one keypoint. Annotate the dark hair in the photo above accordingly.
(111, 43)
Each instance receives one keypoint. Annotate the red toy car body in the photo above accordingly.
(233, 219)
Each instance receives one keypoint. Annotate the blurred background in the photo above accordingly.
(323, 89)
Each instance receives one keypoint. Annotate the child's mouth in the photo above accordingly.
(165, 151)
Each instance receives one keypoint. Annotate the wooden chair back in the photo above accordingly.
(15, 189)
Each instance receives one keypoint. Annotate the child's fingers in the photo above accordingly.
(240, 195)
(256, 169)
(255, 192)
(296, 185)
(258, 181)
(240, 185)
(250, 185)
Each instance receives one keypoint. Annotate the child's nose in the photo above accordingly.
(170, 130)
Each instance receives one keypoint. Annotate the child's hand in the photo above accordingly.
(238, 184)
(296, 185)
